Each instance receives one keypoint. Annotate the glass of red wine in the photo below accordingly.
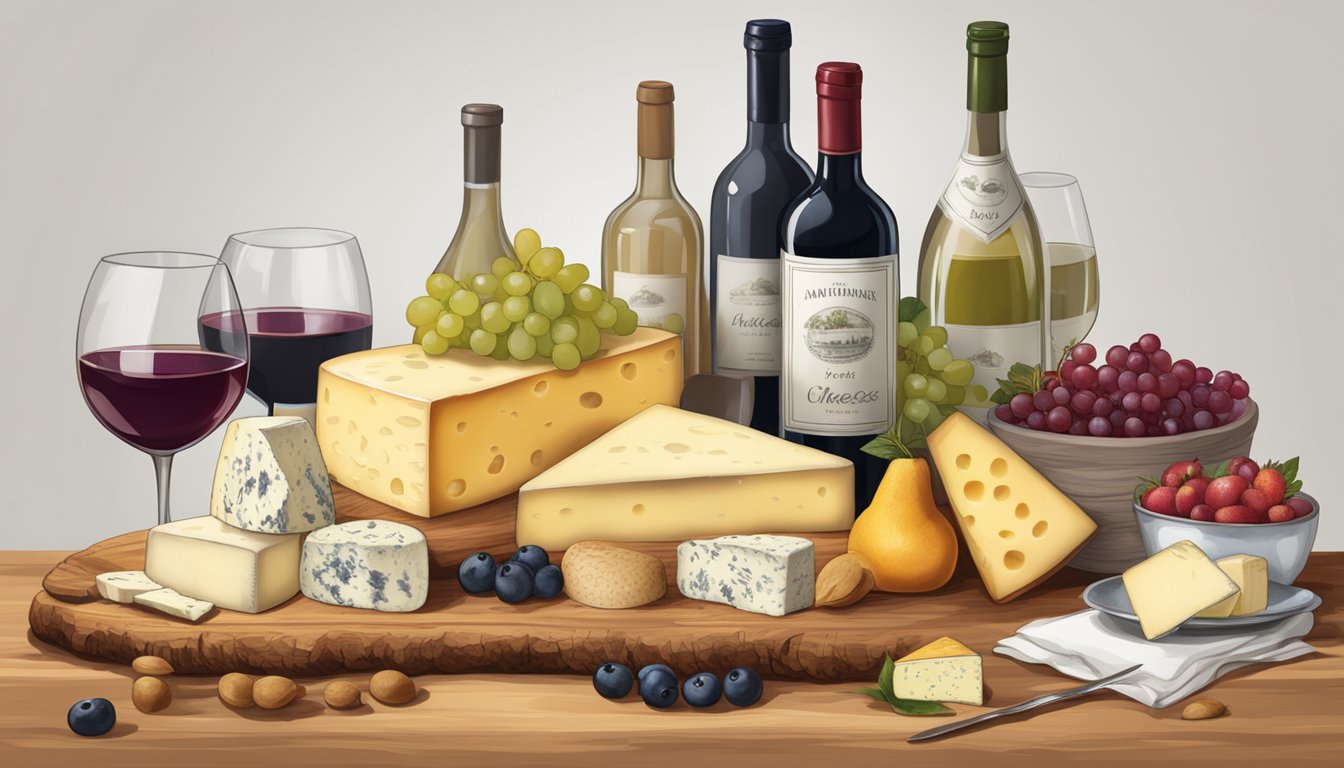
(142, 366)
(306, 298)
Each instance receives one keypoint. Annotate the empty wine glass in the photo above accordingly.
(305, 294)
(1075, 287)
(142, 367)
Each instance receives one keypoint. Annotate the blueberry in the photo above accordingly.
(613, 681)
(513, 582)
(702, 690)
(742, 687)
(477, 574)
(658, 689)
(647, 669)
(548, 582)
(92, 717)
(532, 556)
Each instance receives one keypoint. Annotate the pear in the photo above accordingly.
(902, 538)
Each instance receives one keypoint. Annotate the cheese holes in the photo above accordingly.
(670, 355)
(475, 378)
(494, 449)
(373, 474)
(417, 365)
(408, 421)
(539, 389)
(333, 420)
(1022, 511)
(363, 443)
(629, 371)
(351, 428)
(676, 448)
(974, 490)
(717, 452)
(590, 400)
(616, 449)
(638, 509)
(998, 468)
(1006, 534)
(457, 487)
(1002, 492)
(461, 427)
(372, 400)
(392, 378)
(326, 394)
(496, 464)
(397, 487)
(821, 491)
(969, 520)
(566, 511)
(1013, 560)
(536, 458)
(1038, 530)
(964, 461)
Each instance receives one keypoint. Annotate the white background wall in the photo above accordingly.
(1205, 135)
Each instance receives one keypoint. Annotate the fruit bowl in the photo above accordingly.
(1284, 545)
(1099, 473)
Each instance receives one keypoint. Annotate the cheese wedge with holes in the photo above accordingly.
(1019, 528)
(944, 670)
(1174, 585)
(432, 435)
(671, 474)
(1251, 575)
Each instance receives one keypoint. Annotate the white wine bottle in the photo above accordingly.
(480, 236)
(981, 267)
(652, 243)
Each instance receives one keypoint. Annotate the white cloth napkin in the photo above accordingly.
(1090, 645)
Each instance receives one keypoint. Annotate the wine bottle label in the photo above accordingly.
(839, 368)
(993, 349)
(659, 300)
(984, 195)
(747, 335)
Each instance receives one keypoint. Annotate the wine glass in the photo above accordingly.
(1075, 287)
(306, 298)
(142, 366)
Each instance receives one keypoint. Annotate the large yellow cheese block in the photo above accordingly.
(670, 474)
(1019, 528)
(432, 435)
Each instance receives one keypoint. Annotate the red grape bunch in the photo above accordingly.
(1137, 392)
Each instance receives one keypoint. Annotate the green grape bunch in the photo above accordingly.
(535, 306)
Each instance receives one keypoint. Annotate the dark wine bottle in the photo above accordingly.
(749, 198)
(839, 248)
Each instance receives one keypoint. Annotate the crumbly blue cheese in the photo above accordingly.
(123, 586)
(773, 575)
(270, 477)
(373, 564)
(174, 604)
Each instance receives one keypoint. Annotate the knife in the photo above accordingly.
(1039, 701)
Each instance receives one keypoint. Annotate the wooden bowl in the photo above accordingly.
(1099, 474)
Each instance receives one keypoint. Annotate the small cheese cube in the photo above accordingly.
(1251, 574)
(240, 570)
(174, 604)
(270, 477)
(944, 670)
(1173, 585)
(372, 564)
(123, 586)
(773, 575)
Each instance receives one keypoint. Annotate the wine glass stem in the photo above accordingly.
(163, 470)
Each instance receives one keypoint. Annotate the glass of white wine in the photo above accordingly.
(1075, 288)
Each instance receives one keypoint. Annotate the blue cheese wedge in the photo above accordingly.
(123, 586)
(371, 564)
(174, 604)
(944, 670)
(773, 575)
(270, 477)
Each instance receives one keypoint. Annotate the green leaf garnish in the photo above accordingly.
(885, 692)
(1022, 379)
(909, 309)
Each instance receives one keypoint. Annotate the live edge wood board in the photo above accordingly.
(455, 632)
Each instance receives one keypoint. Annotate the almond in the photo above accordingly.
(151, 665)
(235, 689)
(843, 581)
(274, 692)
(392, 687)
(150, 694)
(341, 694)
(1203, 709)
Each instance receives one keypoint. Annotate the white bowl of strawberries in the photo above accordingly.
(1239, 507)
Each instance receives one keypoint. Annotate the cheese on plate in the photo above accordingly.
(204, 558)
(372, 564)
(1251, 575)
(773, 575)
(1173, 585)
(669, 474)
(430, 435)
(123, 586)
(270, 477)
(174, 604)
(944, 670)
(1019, 528)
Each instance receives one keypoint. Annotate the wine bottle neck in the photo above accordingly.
(839, 172)
(986, 134)
(767, 135)
(480, 205)
(655, 178)
(480, 154)
(655, 131)
(768, 86)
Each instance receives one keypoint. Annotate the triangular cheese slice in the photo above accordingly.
(940, 648)
(668, 474)
(944, 670)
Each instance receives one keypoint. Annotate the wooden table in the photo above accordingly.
(1287, 714)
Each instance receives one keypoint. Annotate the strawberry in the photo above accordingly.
(1257, 500)
(1181, 471)
(1202, 512)
(1237, 513)
(1200, 486)
(1270, 482)
(1225, 491)
(1187, 498)
(1281, 513)
(1161, 499)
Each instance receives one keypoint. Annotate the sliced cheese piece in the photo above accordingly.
(372, 564)
(270, 477)
(232, 568)
(123, 586)
(669, 474)
(944, 670)
(174, 604)
(1019, 528)
(773, 575)
(1251, 575)
(431, 435)
(1173, 585)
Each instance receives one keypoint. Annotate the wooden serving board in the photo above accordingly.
(455, 632)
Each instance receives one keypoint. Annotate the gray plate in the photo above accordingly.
(1109, 597)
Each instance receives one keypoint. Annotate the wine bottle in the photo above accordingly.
(749, 197)
(840, 293)
(480, 236)
(652, 243)
(981, 267)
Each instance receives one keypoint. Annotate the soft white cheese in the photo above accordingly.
(372, 564)
(232, 568)
(174, 604)
(773, 575)
(123, 586)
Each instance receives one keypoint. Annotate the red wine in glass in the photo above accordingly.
(289, 343)
(161, 399)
